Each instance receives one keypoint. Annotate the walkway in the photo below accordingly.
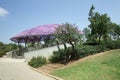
(17, 69)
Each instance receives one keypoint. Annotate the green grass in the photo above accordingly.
(103, 67)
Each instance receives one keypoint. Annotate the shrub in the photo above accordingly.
(86, 50)
(112, 44)
(2, 53)
(91, 43)
(100, 48)
(58, 56)
(63, 55)
(89, 50)
(37, 61)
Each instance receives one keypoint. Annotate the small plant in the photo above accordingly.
(37, 61)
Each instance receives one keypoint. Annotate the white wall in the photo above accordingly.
(46, 52)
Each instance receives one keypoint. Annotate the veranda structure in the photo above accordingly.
(37, 34)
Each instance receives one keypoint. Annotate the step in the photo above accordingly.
(55, 65)
(48, 68)
(44, 70)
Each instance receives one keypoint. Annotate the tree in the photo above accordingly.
(6, 48)
(67, 33)
(1, 43)
(86, 32)
(115, 31)
(99, 25)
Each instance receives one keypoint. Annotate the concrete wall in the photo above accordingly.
(46, 52)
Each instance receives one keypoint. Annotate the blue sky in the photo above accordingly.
(19, 15)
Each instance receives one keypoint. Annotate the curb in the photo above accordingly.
(56, 78)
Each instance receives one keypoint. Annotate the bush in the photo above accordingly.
(100, 48)
(4, 48)
(112, 44)
(91, 43)
(89, 50)
(58, 56)
(2, 53)
(85, 51)
(37, 61)
(63, 55)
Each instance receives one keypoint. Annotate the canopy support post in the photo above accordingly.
(18, 47)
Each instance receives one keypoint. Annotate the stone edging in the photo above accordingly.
(56, 78)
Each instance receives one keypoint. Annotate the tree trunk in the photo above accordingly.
(118, 37)
(99, 38)
(65, 46)
(72, 45)
(25, 44)
(58, 45)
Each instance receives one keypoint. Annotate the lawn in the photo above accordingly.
(103, 67)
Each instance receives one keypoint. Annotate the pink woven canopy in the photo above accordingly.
(36, 33)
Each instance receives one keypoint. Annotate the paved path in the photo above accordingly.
(17, 69)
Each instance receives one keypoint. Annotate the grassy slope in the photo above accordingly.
(103, 67)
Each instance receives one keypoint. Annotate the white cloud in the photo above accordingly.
(3, 12)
